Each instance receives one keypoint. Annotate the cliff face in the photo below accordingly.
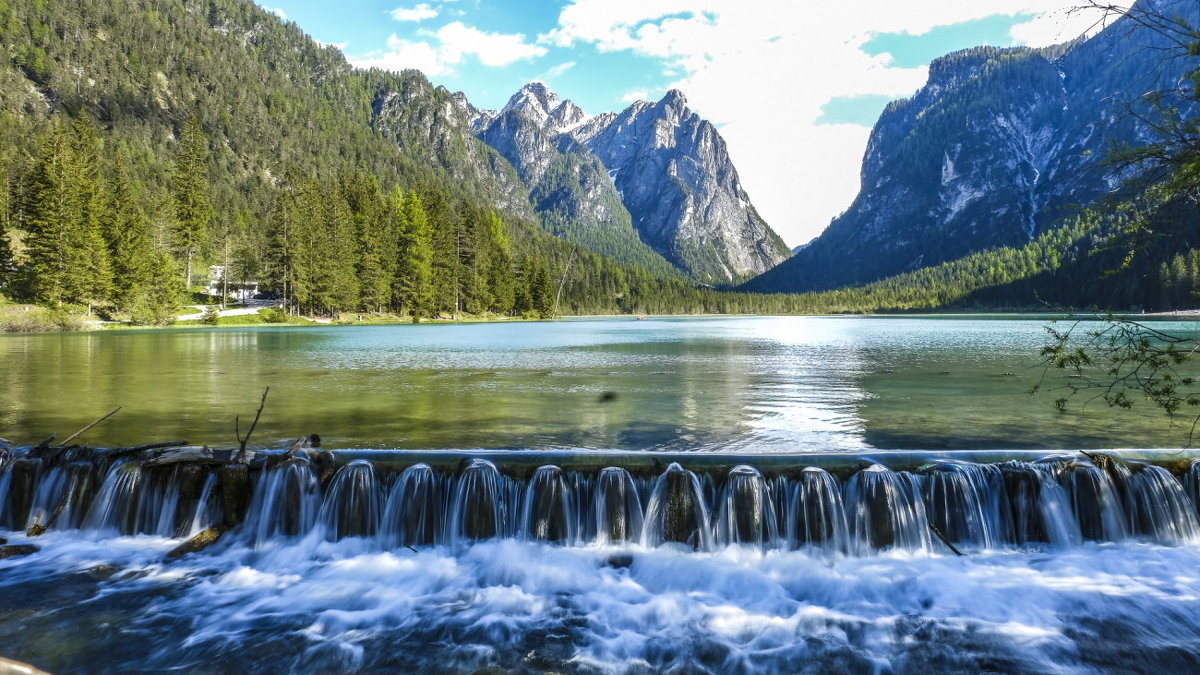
(674, 175)
(653, 182)
(998, 146)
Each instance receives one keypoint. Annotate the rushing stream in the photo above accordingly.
(376, 560)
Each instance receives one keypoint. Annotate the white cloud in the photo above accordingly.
(447, 48)
(764, 69)
(276, 11)
(561, 68)
(636, 95)
(418, 13)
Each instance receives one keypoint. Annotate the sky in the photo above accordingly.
(793, 86)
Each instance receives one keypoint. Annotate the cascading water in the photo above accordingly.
(1035, 508)
(413, 513)
(48, 495)
(116, 504)
(1059, 500)
(352, 504)
(479, 579)
(207, 511)
(960, 501)
(1158, 507)
(285, 503)
(817, 516)
(747, 513)
(617, 507)
(63, 496)
(480, 504)
(884, 512)
(678, 511)
(548, 511)
(1094, 502)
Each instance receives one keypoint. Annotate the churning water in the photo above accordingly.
(353, 563)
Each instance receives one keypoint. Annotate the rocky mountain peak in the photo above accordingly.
(538, 103)
(674, 103)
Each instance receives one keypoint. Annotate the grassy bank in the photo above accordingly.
(15, 318)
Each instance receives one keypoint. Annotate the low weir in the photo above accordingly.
(842, 503)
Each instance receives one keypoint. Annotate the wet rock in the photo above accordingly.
(103, 572)
(17, 550)
(235, 492)
(205, 538)
(24, 473)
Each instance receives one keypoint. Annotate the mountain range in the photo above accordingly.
(999, 146)
(650, 184)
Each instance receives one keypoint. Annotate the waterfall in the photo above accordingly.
(115, 505)
(480, 504)
(47, 496)
(1158, 508)
(548, 512)
(1060, 500)
(677, 512)
(959, 500)
(1094, 502)
(413, 513)
(884, 512)
(747, 512)
(352, 504)
(617, 507)
(817, 516)
(207, 511)
(285, 502)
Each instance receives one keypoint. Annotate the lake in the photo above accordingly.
(747, 385)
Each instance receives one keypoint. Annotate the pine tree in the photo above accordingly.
(414, 273)
(541, 290)
(500, 270)
(447, 234)
(338, 283)
(376, 241)
(91, 277)
(127, 230)
(306, 247)
(193, 203)
(49, 212)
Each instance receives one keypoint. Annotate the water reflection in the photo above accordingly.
(732, 384)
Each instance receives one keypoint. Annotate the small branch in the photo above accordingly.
(77, 434)
(945, 541)
(242, 440)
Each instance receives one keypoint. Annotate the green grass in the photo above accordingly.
(16, 318)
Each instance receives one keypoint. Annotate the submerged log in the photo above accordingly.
(202, 540)
(125, 452)
(197, 454)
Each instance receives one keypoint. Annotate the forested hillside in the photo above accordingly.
(225, 135)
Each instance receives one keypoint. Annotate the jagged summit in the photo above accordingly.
(655, 176)
(539, 103)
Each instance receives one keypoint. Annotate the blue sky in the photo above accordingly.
(794, 87)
